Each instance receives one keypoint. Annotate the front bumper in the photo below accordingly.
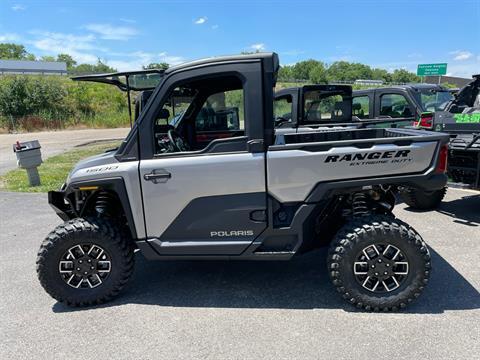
(57, 201)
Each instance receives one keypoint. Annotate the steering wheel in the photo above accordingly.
(177, 141)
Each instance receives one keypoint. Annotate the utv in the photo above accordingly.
(193, 181)
(316, 107)
(461, 119)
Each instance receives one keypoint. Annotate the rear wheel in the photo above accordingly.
(379, 263)
(421, 199)
(85, 261)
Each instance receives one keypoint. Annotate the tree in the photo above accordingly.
(404, 76)
(302, 69)
(318, 74)
(9, 51)
(381, 74)
(68, 60)
(47, 58)
(98, 68)
(285, 73)
(346, 71)
(161, 66)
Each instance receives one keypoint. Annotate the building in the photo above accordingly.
(32, 67)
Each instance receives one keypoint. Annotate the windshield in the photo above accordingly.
(137, 80)
(433, 99)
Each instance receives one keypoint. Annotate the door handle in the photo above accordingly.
(158, 176)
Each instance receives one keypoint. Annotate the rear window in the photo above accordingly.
(361, 107)
(433, 100)
(322, 106)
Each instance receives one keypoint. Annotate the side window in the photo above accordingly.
(395, 106)
(361, 107)
(175, 107)
(282, 108)
(222, 111)
(199, 111)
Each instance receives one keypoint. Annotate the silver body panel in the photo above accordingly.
(292, 174)
(194, 177)
(105, 166)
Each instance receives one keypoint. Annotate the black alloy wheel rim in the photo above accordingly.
(381, 268)
(85, 266)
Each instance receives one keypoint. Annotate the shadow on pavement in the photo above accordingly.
(465, 211)
(301, 283)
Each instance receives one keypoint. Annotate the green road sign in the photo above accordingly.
(431, 69)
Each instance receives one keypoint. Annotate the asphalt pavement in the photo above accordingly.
(239, 310)
(53, 142)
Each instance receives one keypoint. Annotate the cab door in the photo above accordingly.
(394, 104)
(207, 201)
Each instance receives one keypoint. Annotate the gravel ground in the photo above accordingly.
(232, 309)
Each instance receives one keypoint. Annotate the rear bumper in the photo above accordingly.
(56, 199)
(434, 182)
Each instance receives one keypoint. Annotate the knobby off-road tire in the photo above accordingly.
(346, 259)
(423, 200)
(97, 247)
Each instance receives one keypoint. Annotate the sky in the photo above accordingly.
(129, 34)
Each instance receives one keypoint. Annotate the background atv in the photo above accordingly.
(461, 119)
(202, 175)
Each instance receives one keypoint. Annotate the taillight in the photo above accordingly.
(442, 160)
(426, 121)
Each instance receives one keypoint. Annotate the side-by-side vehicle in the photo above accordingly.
(202, 176)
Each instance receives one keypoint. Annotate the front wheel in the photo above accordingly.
(85, 261)
(379, 263)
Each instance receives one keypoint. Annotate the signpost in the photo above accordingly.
(432, 70)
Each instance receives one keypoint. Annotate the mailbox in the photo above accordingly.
(29, 158)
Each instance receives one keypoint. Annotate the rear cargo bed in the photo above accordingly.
(307, 159)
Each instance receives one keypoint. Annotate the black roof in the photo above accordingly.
(415, 87)
(270, 58)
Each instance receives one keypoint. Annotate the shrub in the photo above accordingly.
(36, 102)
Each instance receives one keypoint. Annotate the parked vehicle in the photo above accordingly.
(172, 194)
(461, 119)
(315, 107)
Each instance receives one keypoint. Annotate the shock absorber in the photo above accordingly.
(103, 204)
(360, 205)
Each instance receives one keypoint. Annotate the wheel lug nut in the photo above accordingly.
(85, 272)
(385, 273)
(78, 269)
(80, 261)
(89, 260)
(92, 268)
(376, 274)
(388, 265)
(379, 260)
(373, 266)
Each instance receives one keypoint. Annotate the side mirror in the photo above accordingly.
(164, 114)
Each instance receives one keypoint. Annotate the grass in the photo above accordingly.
(54, 170)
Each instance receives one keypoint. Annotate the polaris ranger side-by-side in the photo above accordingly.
(200, 176)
